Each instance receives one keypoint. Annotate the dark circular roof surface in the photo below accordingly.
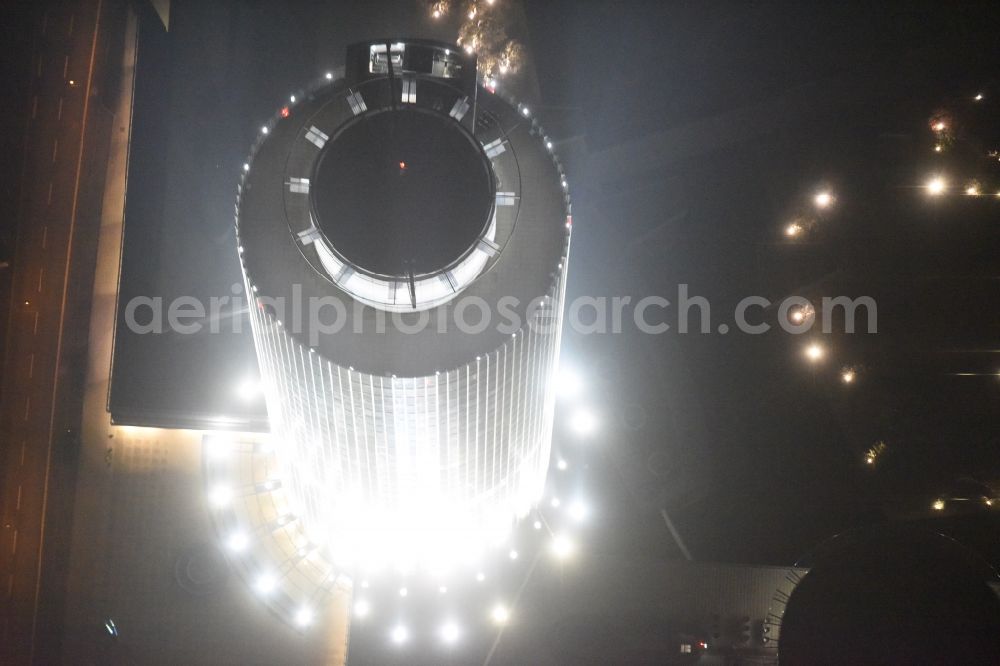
(402, 191)
(527, 266)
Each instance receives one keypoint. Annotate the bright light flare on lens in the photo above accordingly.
(237, 542)
(578, 511)
(399, 634)
(265, 584)
(362, 608)
(793, 230)
(569, 383)
(500, 614)
(938, 505)
(823, 200)
(304, 617)
(220, 496)
(248, 389)
(562, 547)
(450, 632)
(583, 421)
(936, 186)
(815, 352)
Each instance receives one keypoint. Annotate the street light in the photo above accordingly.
(815, 352)
(936, 186)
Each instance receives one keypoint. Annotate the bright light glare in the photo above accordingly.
(500, 614)
(823, 200)
(936, 186)
(403, 592)
(978, 97)
(237, 542)
(265, 583)
(329, 76)
(938, 505)
(815, 352)
(399, 634)
(362, 608)
(939, 126)
(450, 632)
(562, 547)
(578, 511)
(217, 447)
(480, 577)
(568, 383)
(847, 376)
(304, 617)
(583, 421)
(220, 496)
(513, 555)
(972, 190)
(537, 525)
(248, 389)
(793, 229)
(561, 464)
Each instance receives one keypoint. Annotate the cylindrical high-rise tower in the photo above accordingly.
(404, 234)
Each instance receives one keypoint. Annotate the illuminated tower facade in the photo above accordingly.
(404, 234)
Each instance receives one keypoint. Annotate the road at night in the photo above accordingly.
(67, 138)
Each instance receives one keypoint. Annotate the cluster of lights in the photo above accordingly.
(937, 186)
(265, 582)
(822, 201)
(483, 31)
(220, 451)
(940, 503)
(872, 455)
(802, 314)
(943, 129)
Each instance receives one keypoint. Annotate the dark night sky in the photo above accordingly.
(756, 455)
